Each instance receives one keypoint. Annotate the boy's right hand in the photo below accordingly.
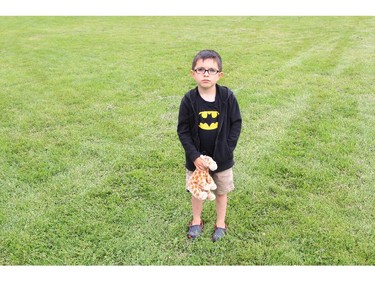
(200, 164)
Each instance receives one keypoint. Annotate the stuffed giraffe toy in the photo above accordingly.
(201, 182)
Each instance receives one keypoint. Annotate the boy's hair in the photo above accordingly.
(208, 54)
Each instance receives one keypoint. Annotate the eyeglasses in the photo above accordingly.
(210, 71)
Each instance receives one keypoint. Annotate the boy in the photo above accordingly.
(209, 123)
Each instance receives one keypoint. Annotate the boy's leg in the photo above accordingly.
(224, 182)
(196, 225)
(221, 209)
(197, 206)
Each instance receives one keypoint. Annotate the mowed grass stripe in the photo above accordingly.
(267, 125)
(322, 142)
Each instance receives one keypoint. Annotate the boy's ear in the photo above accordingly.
(221, 74)
(191, 72)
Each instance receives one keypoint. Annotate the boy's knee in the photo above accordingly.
(220, 197)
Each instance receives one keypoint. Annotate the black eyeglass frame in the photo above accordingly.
(210, 71)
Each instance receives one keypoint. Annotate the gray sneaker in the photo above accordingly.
(218, 233)
(195, 230)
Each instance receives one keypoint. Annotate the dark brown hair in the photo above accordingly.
(208, 54)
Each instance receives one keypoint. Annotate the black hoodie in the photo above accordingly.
(229, 130)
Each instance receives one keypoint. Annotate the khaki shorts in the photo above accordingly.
(223, 180)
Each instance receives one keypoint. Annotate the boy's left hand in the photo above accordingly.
(200, 164)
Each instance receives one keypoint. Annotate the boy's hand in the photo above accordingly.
(200, 164)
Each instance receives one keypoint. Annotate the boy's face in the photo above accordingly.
(206, 80)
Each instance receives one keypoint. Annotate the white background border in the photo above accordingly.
(187, 7)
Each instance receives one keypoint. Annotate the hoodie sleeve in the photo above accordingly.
(185, 119)
(235, 123)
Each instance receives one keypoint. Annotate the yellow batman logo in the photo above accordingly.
(211, 118)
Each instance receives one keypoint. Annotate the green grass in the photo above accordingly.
(92, 171)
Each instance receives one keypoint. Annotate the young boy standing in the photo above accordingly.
(209, 123)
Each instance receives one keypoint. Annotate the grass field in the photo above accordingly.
(92, 171)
